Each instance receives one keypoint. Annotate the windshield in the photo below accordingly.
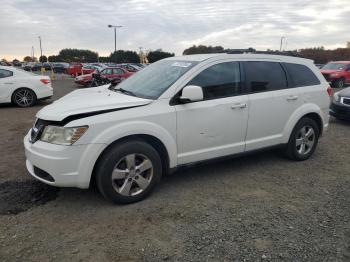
(334, 66)
(155, 79)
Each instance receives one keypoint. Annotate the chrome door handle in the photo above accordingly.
(290, 98)
(239, 106)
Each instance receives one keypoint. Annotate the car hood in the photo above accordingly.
(329, 71)
(85, 101)
(82, 77)
(345, 92)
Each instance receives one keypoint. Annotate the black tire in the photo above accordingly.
(339, 83)
(293, 151)
(117, 154)
(28, 97)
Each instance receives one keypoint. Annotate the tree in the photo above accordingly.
(28, 59)
(54, 58)
(122, 56)
(78, 55)
(43, 59)
(202, 49)
(154, 56)
(104, 59)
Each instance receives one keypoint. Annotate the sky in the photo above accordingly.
(172, 25)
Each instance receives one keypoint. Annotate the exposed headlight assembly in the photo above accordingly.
(62, 135)
(336, 97)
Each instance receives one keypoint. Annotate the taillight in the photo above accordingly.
(45, 81)
(330, 91)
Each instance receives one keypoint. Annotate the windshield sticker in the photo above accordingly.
(181, 64)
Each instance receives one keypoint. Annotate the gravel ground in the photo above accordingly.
(256, 208)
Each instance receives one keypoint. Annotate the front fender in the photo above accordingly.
(122, 130)
(297, 115)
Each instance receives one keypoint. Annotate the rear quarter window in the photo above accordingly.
(301, 75)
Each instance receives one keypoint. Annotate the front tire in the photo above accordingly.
(303, 140)
(24, 97)
(128, 172)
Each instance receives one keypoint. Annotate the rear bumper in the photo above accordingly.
(44, 92)
(340, 111)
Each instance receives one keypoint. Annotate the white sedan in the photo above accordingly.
(22, 88)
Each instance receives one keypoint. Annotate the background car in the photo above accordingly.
(58, 68)
(74, 69)
(47, 66)
(130, 67)
(111, 73)
(337, 73)
(88, 69)
(340, 107)
(22, 88)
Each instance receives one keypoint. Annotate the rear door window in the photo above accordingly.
(301, 75)
(262, 76)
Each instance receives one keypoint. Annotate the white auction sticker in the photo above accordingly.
(181, 64)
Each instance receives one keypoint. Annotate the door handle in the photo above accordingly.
(239, 106)
(290, 98)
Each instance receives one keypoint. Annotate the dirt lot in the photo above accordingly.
(261, 207)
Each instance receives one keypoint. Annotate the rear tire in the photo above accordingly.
(303, 140)
(128, 172)
(24, 97)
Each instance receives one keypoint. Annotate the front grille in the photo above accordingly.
(43, 174)
(346, 101)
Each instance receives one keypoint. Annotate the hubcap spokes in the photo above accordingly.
(132, 175)
(24, 98)
(305, 140)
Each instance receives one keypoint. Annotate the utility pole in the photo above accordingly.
(33, 53)
(41, 50)
(115, 35)
(281, 42)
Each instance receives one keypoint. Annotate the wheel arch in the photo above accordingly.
(155, 142)
(308, 110)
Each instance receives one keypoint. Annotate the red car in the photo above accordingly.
(74, 69)
(110, 73)
(337, 73)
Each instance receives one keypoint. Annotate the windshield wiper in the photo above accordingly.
(125, 91)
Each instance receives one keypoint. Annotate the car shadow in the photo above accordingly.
(204, 172)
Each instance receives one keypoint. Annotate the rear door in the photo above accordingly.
(217, 125)
(272, 100)
(7, 85)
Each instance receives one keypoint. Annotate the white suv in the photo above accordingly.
(175, 112)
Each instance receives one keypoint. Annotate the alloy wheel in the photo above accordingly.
(132, 175)
(24, 98)
(305, 140)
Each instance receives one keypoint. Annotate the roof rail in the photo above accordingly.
(269, 52)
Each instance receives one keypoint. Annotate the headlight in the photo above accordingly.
(336, 97)
(333, 75)
(62, 135)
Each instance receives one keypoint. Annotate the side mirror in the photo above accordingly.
(191, 94)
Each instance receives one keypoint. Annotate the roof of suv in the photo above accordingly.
(202, 57)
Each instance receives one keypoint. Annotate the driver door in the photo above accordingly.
(217, 125)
